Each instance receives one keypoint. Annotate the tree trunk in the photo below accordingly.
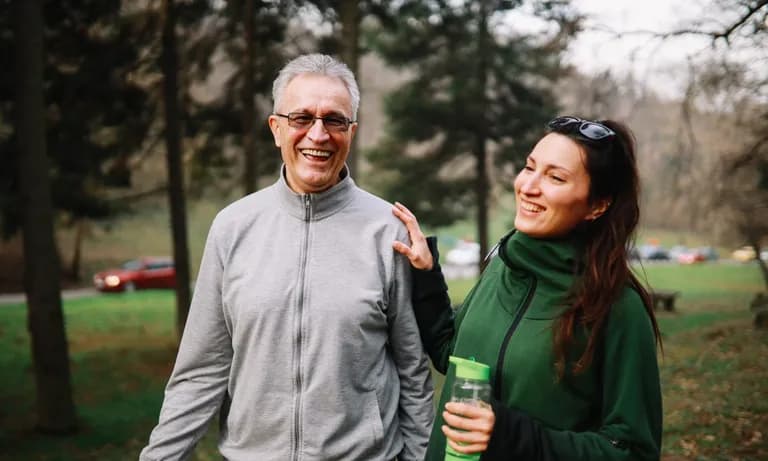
(77, 252)
(481, 153)
(250, 173)
(50, 355)
(349, 14)
(176, 198)
(760, 263)
(763, 270)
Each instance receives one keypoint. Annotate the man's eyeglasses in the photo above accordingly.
(303, 121)
(591, 130)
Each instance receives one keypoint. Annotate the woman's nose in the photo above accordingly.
(529, 184)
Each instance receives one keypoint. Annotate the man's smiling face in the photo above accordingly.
(313, 156)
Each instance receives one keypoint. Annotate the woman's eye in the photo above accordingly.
(556, 178)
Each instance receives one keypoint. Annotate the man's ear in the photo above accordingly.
(598, 209)
(275, 127)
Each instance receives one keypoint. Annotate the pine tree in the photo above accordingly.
(478, 98)
(96, 114)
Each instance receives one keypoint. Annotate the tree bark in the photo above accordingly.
(481, 153)
(755, 244)
(169, 65)
(349, 14)
(250, 173)
(77, 251)
(45, 321)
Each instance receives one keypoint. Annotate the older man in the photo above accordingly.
(301, 329)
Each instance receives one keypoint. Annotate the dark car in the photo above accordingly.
(147, 272)
(650, 253)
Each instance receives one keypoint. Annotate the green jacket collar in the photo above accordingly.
(555, 263)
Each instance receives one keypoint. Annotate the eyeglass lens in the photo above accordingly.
(302, 121)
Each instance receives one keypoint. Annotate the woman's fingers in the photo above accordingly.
(467, 449)
(409, 219)
(462, 422)
(468, 427)
(402, 248)
(418, 252)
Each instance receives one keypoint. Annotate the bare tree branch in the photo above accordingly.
(724, 34)
(748, 156)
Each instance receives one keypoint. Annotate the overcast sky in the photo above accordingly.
(661, 65)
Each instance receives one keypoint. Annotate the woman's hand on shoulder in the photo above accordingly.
(418, 253)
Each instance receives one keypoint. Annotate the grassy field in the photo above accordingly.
(122, 347)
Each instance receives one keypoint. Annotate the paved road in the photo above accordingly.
(16, 298)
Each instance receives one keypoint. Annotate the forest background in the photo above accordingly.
(124, 126)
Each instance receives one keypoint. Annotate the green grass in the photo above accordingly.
(122, 348)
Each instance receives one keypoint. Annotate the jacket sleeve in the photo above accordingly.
(416, 411)
(198, 383)
(631, 415)
(434, 313)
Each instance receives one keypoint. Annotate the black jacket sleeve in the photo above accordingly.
(434, 314)
(515, 436)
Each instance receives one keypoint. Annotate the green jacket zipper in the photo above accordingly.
(502, 352)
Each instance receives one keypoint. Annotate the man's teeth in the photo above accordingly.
(316, 153)
(531, 207)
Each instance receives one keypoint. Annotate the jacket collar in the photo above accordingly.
(555, 263)
(318, 205)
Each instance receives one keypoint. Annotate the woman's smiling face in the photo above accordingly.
(552, 191)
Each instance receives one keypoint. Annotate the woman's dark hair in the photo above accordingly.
(612, 168)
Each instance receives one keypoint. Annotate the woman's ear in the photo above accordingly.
(598, 209)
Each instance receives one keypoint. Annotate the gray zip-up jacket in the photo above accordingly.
(301, 331)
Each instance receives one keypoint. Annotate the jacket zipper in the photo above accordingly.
(508, 336)
(297, 330)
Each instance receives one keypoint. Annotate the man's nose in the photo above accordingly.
(317, 131)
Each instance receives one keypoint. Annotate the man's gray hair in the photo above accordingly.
(320, 64)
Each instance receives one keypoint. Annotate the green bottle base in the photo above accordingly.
(451, 455)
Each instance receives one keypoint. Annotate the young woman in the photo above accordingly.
(565, 326)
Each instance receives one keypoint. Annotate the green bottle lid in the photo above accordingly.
(469, 369)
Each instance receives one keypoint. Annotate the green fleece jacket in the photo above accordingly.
(612, 411)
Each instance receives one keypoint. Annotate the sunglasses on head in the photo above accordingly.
(591, 130)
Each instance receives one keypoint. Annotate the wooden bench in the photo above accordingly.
(666, 299)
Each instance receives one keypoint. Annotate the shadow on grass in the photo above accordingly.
(118, 393)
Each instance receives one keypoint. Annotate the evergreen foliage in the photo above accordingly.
(96, 115)
(217, 124)
(478, 94)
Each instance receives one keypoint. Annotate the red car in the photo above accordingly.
(137, 274)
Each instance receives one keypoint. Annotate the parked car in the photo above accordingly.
(710, 254)
(744, 254)
(145, 272)
(652, 253)
(691, 256)
(678, 251)
(464, 253)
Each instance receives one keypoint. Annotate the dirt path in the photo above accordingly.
(16, 298)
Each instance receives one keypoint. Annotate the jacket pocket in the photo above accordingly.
(373, 416)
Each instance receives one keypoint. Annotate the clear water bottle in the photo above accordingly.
(472, 387)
